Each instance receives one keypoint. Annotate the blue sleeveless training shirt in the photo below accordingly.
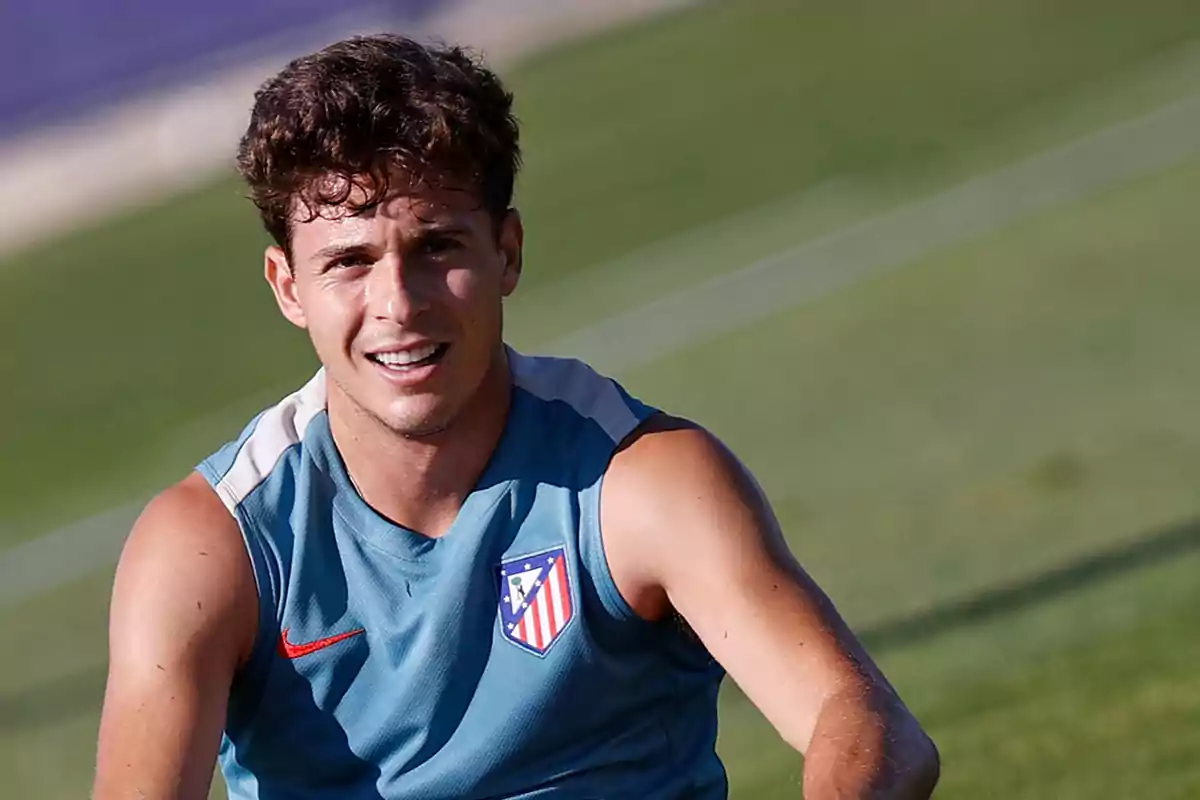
(497, 661)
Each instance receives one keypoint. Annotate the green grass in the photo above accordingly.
(1020, 399)
(1101, 673)
(115, 334)
(1130, 701)
(1092, 693)
(985, 425)
(980, 456)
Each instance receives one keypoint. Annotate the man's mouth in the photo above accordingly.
(411, 358)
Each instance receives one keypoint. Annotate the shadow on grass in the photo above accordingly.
(1159, 546)
(83, 691)
(50, 702)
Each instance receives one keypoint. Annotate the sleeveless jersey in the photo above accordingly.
(496, 661)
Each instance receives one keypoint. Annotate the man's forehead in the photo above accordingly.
(405, 193)
(428, 205)
(431, 200)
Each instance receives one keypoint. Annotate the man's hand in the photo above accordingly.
(686, 527)
(183, 617)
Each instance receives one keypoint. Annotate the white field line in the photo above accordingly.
(43, 564)
(1053, 179)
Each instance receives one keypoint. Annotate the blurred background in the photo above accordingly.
(928, 267)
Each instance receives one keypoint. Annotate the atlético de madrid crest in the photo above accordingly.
(535, 599)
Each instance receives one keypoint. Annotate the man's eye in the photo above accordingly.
(348, 261)
(437, 245)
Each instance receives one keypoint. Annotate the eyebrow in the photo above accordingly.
(338, 250)
(426, 230)
(441, 229)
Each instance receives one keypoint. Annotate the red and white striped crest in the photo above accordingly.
(535, 599)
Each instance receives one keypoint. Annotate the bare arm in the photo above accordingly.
(183, 617)
(686, 527)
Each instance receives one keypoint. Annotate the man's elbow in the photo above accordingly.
(919, 763)
(912, 764)
(868, 745)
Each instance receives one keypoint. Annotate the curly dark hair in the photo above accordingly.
(363, 110)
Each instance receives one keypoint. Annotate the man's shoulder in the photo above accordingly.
(235, 469)
(667, 477)
(184, 574)
(587, 392)
(185, 515)
(666, 453)
(185, 527)
(664, 477)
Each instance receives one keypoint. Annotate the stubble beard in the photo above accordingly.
(400, 428)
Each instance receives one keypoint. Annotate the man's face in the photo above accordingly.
(403, 302)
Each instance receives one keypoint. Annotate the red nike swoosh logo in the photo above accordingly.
(289, 650)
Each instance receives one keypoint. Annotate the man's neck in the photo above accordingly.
(421, 482)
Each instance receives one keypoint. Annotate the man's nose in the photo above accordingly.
(395, 292)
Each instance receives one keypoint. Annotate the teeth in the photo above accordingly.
(401, 358)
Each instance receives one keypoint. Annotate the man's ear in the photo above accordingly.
(281, 277)
(512, 243)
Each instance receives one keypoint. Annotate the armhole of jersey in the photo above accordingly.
(238, 473)
(266, 569)
(592, 532)
(591, 546)
(268, 583)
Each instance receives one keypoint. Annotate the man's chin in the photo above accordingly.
(422, 431)
(416, 423)
(410, 415)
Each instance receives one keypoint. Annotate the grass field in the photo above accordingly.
(631, 139)
(986, 456)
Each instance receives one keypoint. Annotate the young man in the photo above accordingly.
(443, 569)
